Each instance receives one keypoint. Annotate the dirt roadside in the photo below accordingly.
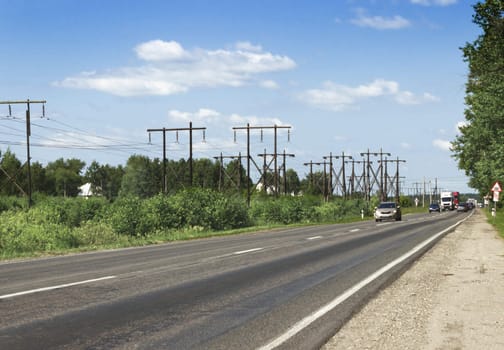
(451, 298)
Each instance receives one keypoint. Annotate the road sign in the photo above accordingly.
(496, 196)
(496, 187)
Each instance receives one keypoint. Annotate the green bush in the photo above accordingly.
(19, 235)
(229, 213)
(12, 203)
(95, 234)
(161, 211)
(126, 217)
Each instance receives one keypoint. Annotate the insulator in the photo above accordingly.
(176, 132)
(234, 136)
(288, 135)
(204, 136)
(43, 110)
(150, 142)
(261, 135)
(10, 111)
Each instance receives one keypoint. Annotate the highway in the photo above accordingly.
(286, 289)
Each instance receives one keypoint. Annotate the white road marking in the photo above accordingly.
(314, 237)
(355, 230)
(6, 296)
(305, 322)
(247, 251)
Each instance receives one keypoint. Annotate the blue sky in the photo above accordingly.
(346, 76)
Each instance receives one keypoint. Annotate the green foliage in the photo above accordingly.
(479, 147)
(105, 180)
(126, 217)
(64, 176)
(141, 177)
(12, 203)
(57, 224)
(305, 209)
(13, 176)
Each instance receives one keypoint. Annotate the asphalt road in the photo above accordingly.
(286, 288)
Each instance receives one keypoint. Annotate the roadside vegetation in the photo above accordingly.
(496, 221)
(56, 225)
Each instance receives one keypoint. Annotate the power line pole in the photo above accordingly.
(190, 129)
(352, 177)
(368, 191)
(343, 181)
(28, 102)
(284, 169)
(397, 161)
(324, 180)
(248, 128)
(222, 170)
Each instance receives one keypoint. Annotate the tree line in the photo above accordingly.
(142, 177)
(479, 148)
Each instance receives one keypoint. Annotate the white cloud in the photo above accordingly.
(442, 144)
(434, 2)
(269, 84)
(170, 69)
(201, 115)
(207, 115)
(379, 22)
(339, 97)
(247, 46)
(254, 120)
(408, 98)
(158, 50)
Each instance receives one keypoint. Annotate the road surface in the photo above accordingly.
(287, 288)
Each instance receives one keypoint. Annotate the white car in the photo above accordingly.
(388, 211)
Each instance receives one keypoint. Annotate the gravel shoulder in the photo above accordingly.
(451, 298)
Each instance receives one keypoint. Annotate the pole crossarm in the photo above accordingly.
(369, 184)
(249, 158)
(190, 129)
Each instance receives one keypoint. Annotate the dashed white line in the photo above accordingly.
(355, 230)
(247, 251)
(305, 322)
(314, 237)
(6, 296)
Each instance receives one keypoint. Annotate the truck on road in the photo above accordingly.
(449, 200)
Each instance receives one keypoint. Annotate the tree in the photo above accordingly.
(105, 179)
(205, 173)
(292, 181)
(479, 148)
(142, 177)
(12, 176)
(64, 177)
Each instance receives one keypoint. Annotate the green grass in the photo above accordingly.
(497, 221)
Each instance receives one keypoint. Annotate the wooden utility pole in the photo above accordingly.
(342, 171)
(190, 129)
(368, 184)
(28, 102)
(248, 128)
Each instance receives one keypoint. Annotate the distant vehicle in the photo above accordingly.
(462, 207)
(434, 207)
(473, 202)
(448, 201)
(388, 211)
(455, 200)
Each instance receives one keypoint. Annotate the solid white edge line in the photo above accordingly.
(305, 322)
(6, 296)
(247, 251)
